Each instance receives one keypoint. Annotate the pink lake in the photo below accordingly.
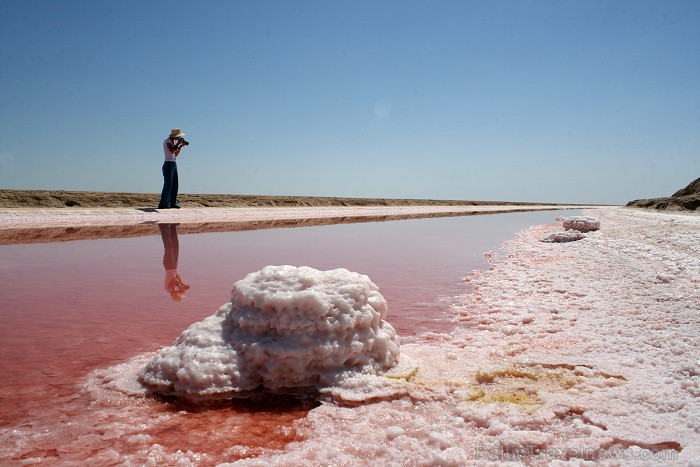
(69, 308)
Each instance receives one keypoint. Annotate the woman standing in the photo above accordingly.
(172, 146)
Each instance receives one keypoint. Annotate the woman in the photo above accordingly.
(172, 146)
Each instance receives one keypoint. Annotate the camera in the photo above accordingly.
(184, 142)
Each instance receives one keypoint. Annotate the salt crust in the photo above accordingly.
(579, 354)
(284, 328)
(75, 216)
(601, 352)
(580, 223)
(564, 237)
(575, 229)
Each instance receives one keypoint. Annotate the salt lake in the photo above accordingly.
(69, 308)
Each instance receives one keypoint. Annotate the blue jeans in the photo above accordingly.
(171, 246)
(168, 197)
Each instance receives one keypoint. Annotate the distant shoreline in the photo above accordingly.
(37, 225)
(37, 216)
(94, 199)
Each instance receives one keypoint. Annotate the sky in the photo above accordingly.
(544, 101)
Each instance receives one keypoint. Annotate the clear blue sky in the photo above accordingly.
(562, 101)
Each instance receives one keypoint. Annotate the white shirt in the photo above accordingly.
(169, 154)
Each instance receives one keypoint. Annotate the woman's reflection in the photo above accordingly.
(171, 251)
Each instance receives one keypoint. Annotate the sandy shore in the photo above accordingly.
(34, 216)
(96, 199)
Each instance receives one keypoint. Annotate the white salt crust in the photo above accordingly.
(575, 229)
(567, 354)
(285, 328)
(564, 237)
(77, 216)
(580, 223)
(595, 344)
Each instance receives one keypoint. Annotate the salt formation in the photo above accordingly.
(575, 229)
(580, 223)
(284, 328)
(566, 356)
(564, 237)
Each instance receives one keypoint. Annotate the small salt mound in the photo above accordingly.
(564, 237)
(284, 328)
(580, 223)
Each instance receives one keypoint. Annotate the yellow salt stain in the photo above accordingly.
(521, 384)
(407, 376)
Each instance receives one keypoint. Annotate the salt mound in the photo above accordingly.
(284, 328)
(564, 237)
(580, 223)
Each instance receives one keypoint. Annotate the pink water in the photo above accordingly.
(70, 308)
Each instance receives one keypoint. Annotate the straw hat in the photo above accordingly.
(176, 133)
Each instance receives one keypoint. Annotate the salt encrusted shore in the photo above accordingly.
(74, 217)
(41, 225)
(568, 354)
(581, 353)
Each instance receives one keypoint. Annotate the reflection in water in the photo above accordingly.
(171, 252)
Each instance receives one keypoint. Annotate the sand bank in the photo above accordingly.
(35, 225)
(96, 199)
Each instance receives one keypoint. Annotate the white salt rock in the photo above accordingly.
(665, 278)
(691, 369)
(440, 439)
(477, 416)
(450, 457)
(580, 223)
(525, 439)
(352, 388)
(138, 439)
(564, 237)
(394, 432)
(284, 328)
